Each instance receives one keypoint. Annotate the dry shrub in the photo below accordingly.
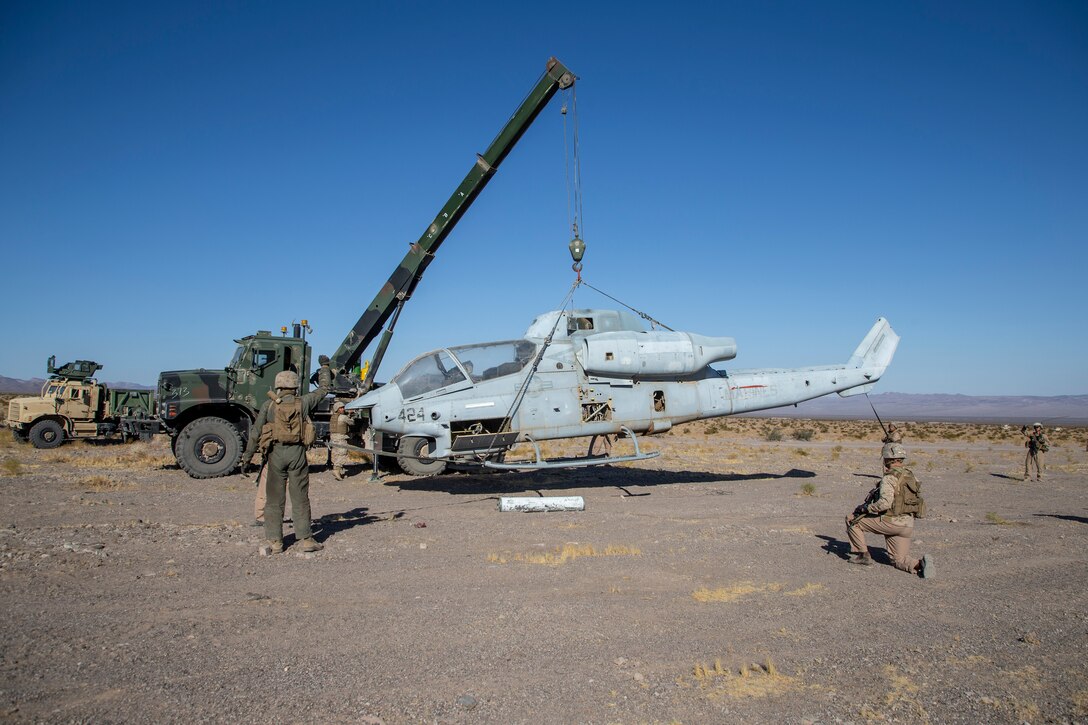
(11, 467)
(808, 489)
(566, 553)
(733, 592)
(803, 434)
(757, 679)
(99, 483)
(994, 518)
(127, 456)
(804, 591)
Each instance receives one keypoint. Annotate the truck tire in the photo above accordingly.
(416, 446)
(46, 434)
(208, 448)
(20, 436)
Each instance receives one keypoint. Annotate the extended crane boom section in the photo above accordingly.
(406, 276)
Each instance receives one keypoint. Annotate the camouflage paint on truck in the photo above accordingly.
(208, 412)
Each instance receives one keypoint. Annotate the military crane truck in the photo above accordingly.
(73, 405)
(208, 413)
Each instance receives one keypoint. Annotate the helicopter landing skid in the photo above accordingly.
(573, 462)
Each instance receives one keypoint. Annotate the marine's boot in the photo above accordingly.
(275, 545)
(311, 544)
(338, 474)
(925, 567)
(862, 558)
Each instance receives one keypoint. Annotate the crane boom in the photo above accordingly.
(406, 276)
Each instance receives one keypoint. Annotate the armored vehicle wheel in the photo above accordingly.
(208, 448)
(415, 446)
(19, 436)
(47, 434)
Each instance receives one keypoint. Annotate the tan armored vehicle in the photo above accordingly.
(73, 405)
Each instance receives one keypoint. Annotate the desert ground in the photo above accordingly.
(707, 585)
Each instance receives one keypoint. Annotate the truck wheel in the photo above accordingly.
(20, 436)
(415, 446)
(208, 448)
(46, 434)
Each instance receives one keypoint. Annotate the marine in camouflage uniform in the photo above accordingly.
(1037, 444)
(892, 435)
(875, 516)
(338, 437)
(286, 464)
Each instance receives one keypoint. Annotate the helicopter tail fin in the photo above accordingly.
(873, 355)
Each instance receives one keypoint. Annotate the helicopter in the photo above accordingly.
(593, 373)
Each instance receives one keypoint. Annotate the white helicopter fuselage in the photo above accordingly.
(601, 373)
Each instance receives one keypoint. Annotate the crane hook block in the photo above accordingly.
(577, 249)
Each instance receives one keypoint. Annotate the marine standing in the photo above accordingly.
(339, 424)
(1037, 444)
(892, 435)
(890, 510)
(284, 431)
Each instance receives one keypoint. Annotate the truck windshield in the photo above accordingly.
(494, 359)
(432, 371)
(237, 356)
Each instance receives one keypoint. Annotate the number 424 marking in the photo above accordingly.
(411, 414)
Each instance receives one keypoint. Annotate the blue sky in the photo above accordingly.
(173, 176)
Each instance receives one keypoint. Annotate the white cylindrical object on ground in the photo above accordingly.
(546, 503)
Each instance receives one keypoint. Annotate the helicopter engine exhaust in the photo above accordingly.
(652, 353)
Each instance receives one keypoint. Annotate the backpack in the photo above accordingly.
(288, 424)
(908, 496)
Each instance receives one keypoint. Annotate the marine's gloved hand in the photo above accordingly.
(860, 510)
(245, 464)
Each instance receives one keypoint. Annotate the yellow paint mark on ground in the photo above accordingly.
(566, 553)
(733, 592)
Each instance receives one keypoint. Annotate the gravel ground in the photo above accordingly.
(708, 585)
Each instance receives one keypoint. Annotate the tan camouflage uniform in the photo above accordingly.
(338, 437)
(896, 530)
(1036, 441)
(893, 435)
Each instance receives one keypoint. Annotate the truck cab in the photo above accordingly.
(208, 413)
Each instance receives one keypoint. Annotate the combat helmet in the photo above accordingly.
(893, 450)
(288, 379)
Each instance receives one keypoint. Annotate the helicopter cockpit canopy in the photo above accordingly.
(480, 363)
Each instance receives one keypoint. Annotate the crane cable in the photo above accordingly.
(507, 420)
(572, 173)
(640, 313)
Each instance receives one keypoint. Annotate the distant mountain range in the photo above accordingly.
(34, 385)
(1015, 409)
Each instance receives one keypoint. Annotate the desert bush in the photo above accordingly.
(803, 434)
(808, 489)
(773, 435)
(11, 467)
